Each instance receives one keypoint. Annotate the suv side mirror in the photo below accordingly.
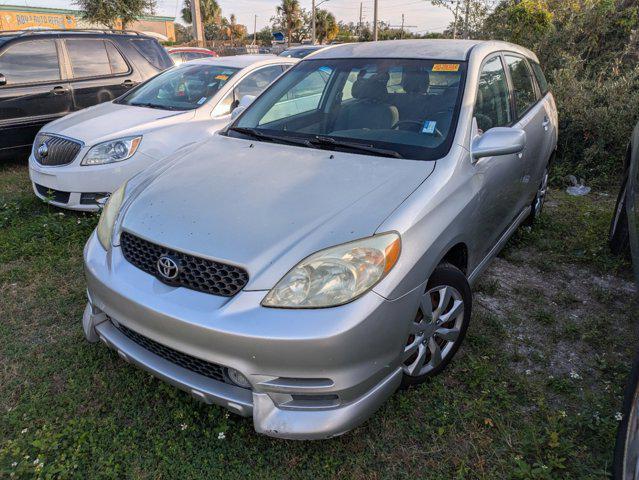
(3, 80)
(498, 141)
(245, 101)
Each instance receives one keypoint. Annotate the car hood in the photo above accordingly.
(267, 206)
(112, 120)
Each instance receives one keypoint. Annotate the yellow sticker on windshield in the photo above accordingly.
(446, 67)
(222, 77)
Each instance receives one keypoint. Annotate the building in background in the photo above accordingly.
(15, 17)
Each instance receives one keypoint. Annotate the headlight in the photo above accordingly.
(108, 216)
(112, 151)
(337, 275)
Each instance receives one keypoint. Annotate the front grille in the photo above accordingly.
(53, 195)
(58, 151)
(195, 273)
(196, 365)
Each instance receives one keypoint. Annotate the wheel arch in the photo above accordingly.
(457, 255)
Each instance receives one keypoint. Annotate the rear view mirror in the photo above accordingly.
(3, 80)
(498, 141)
(244, 102)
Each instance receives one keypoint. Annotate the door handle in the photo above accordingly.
(128, 83)
(546, 123)
(59, 90)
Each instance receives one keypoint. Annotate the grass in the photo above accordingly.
(504, 409)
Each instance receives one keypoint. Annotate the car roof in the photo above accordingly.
(435, 49)
(189, 49)
(242, 61)
(307, 47)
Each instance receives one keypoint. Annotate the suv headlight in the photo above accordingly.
(112, 151)
(108, 216)
(337, 275)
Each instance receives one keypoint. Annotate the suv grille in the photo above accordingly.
(195, 273)
(59, 150)
(196, 365)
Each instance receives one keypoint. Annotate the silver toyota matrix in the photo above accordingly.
(318, 253)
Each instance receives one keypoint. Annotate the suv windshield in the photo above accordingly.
(183, 88)
(390, 107)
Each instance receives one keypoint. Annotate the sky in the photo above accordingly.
(418, 13)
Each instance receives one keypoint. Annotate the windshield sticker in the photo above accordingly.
(429, 127)
(446, 67)
(201, 101)
(221, 77)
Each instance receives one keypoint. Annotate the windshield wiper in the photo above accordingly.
(267, 137)
(154, 105)
(320, 141)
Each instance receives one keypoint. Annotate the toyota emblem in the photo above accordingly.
(43, 150)
(168, 267)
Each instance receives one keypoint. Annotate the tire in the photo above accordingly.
(537, 204)
(437, 327)
(626, 460)
(619, 237)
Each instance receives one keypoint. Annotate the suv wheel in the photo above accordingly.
(439, 326)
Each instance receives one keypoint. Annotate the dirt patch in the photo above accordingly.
(556, 319)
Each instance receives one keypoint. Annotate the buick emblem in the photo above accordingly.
(43, 150)
(168, 267)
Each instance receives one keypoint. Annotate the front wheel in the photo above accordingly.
(439, 326)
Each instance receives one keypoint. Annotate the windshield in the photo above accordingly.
(186, 87)
(399, 107)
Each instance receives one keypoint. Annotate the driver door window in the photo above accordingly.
(253, 84)
(492, 107)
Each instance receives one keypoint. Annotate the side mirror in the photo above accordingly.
(498, 141)
(3, 80)
(245, 101)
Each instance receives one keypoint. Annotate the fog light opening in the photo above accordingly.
(237, 378)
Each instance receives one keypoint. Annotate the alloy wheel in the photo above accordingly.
(540, 198)
(436, 328)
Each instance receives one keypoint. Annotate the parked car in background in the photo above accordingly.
(184, 54)
(302, 264)
(46, 74)
(302, 51)
(624, 239)
(85, 156)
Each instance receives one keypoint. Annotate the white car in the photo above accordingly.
(85, 156)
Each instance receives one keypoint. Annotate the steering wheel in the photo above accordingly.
(397, 126)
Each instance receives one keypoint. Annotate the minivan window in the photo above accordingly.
(186, 87)
(492, 107)
(352, 104)
(523, 86)
(88, 57)
(541, 78)
(29, 62)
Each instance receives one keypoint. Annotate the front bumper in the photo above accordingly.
(313, 373)
(70, 183)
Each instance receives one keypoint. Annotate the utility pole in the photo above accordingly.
(401, 35)
(361, 17)
(375, 22)
(196, 17)
(466, 25)
(255, 30)
(314, 32)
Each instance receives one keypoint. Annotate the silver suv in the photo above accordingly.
(319, 253)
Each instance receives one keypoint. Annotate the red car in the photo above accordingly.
(184, 54)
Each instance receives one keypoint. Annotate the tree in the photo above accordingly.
(468, 15)
(326, 27)
(265, 36)
(111, 12)
(524, 22)
(209, 9)
(290, 14)
(182, 34)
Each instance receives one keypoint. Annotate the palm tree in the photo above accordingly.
(210, 10)
(326, 27)
(291, 14)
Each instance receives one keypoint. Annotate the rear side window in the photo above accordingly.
(30, 62)
(524, 89)
(94, 58)
(492, 107)
(541, 78)
(118, 64)
(152, 51)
